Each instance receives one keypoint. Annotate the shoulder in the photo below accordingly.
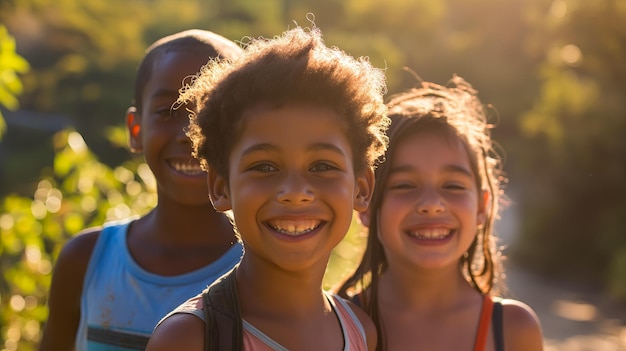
(65, 291)
(193, 306)
(366, 322)
(72, 262)
(77, 251)
(178, 332)
(522, 328)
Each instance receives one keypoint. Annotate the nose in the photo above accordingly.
(180, 119)
(181, 135)
(295, 189)
(430, 203)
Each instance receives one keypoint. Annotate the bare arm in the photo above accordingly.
(65, 292)
(178, 332)
(522, 329)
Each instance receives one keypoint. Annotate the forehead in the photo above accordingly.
(292, 126)
(431, 148)
(169, 69)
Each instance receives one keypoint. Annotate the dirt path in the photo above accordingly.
(573, 318)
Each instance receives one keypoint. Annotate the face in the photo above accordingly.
(431, 207)
(292, 186)
(161, 135)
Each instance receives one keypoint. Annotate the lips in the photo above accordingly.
(294, 228)
(186, 167)
(431, 233)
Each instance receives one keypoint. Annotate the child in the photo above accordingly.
(112, 285)
(289, 134)
(430, 270)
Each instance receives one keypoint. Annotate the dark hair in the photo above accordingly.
(202, 42)
(454, 112)
(296, 67)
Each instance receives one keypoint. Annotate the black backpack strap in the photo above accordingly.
(222, 311)
(496, 322)
(209, 322)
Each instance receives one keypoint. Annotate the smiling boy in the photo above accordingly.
(289, 134)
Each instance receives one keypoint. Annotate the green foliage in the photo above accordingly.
(553, 69)
(79, 192)
(574, 135)
(565, 99)
(10, 65)
(347, 255)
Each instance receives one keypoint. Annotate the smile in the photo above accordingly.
(187, 168)
(431, 233)
(294, 227)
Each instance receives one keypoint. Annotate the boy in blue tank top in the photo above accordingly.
(112, 284)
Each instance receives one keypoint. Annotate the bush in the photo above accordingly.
(79, 192)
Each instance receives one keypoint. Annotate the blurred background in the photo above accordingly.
(554, 71)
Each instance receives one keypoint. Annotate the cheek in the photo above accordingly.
(245, 192)
(334, 189)
(152, 135)
(389, 218)
(469, 204)
(248, 193)
(390, 236)
(396, 206)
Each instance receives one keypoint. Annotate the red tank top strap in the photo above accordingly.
(485, 322)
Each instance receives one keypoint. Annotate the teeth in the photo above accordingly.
(189, 168)
(431, 233)
(294, 228)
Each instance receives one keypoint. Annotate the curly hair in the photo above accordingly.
(296, 67)
(453, 111)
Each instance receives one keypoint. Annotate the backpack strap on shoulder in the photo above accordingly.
(498, 332)
(484, 323)
(356, 299)
(222, 311)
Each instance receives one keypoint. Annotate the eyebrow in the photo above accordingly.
(314, 147)
(451, 168)
(164, 93)
(329, 147)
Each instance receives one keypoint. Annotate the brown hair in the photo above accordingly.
(455, 112)
(296, 67)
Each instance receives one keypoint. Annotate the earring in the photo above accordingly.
(135, 130)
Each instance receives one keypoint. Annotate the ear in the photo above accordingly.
(133, 125)
(364, 217)
(483, 206)
(218, 191)
(364, 188)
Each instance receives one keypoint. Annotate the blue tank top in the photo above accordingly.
(121, 302)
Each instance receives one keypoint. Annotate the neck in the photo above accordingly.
(424, 290)
(191, 224)
(268, 291)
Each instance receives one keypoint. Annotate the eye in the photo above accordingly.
(164, 113)
(178, 112)
(322, 167)
(263, 167)
(400, 186)
(454, 186)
